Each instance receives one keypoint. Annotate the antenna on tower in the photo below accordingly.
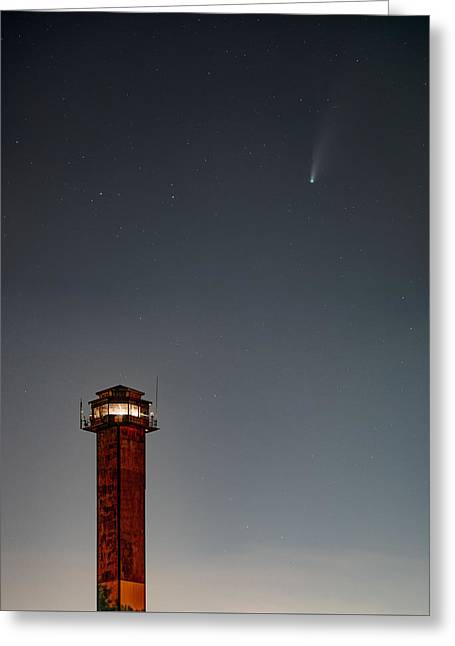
(84, 424)
(156, 396)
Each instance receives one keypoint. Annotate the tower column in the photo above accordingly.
(120, 418)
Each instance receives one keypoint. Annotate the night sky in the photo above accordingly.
(158, 218)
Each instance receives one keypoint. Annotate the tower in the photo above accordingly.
(121, 419)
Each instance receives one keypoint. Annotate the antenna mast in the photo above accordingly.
(156, 397)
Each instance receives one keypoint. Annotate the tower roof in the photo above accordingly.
(119, 389)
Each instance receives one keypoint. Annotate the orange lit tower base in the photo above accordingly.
(120, 418)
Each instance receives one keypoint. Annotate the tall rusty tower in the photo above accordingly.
(120, 418)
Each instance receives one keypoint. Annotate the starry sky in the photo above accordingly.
(158, 219)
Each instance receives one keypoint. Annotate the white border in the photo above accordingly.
(378, 7)
(73, 628)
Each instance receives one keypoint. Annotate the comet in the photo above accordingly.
(322, 146)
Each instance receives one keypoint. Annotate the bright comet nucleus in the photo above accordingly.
(312, 180)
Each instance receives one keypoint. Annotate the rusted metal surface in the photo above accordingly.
(132, 504)
(121, 513)
(107, 509)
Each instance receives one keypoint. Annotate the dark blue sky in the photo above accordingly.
(158, 219)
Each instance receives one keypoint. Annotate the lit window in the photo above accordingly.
(118, 409)
(100, 411)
